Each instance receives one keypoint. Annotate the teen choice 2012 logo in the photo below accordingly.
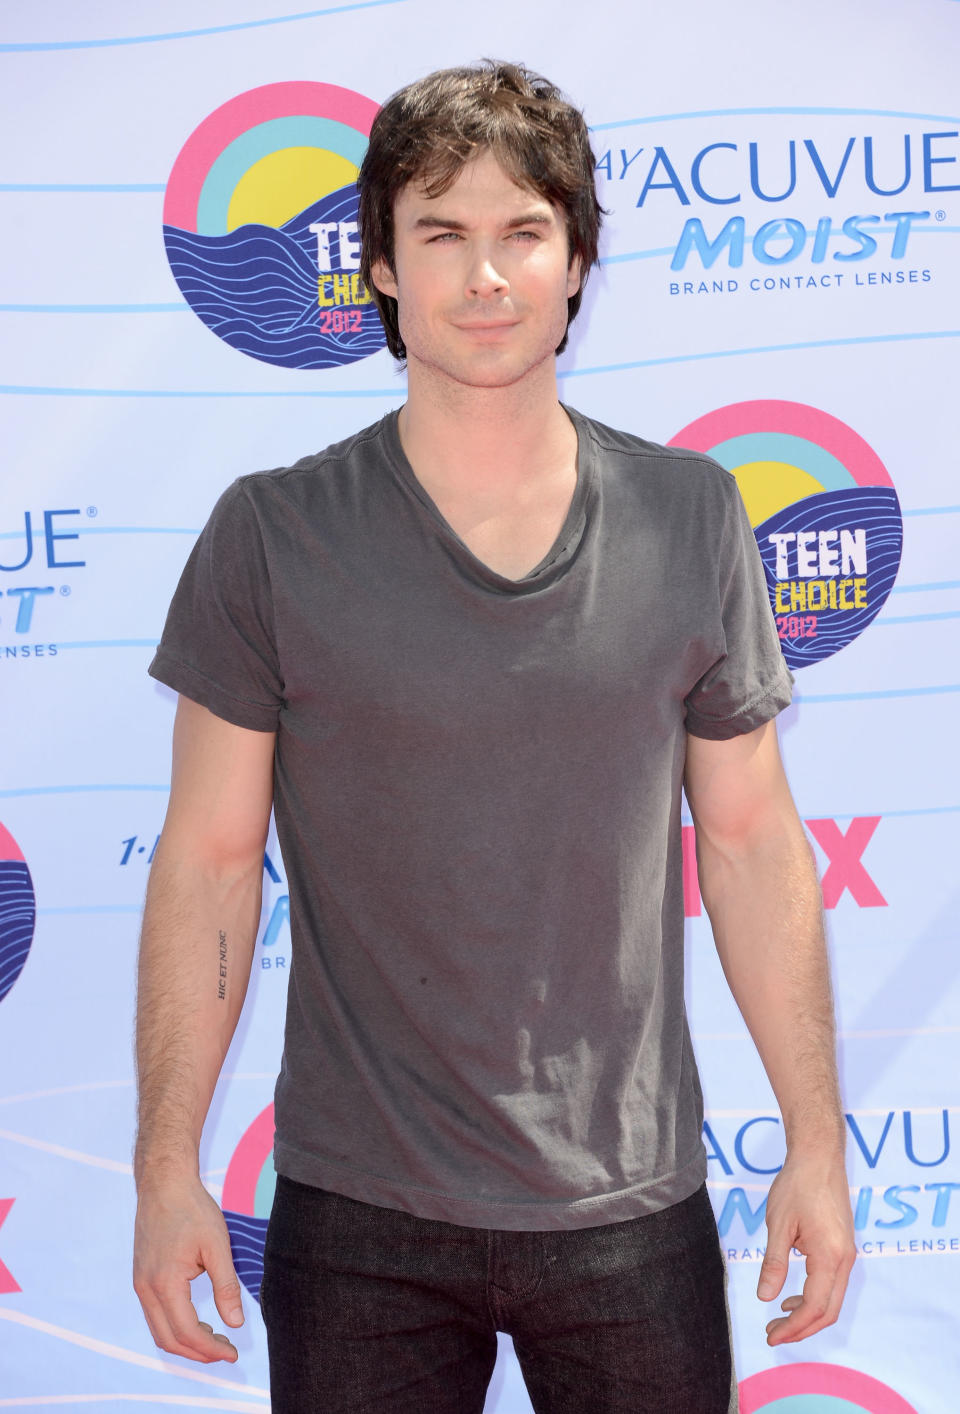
(824, 511)
(260, 225)
(248, 1189)
(18, 911)
(818, 1389)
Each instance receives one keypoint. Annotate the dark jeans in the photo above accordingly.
(373, 1311)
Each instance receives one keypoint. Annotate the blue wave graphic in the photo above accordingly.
(757, 349)
(876, 510)
(18, 912)
(802, 111)
(247, 1238)
(256, 288)
(192, 33)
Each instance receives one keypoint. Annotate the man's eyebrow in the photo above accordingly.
(534, 218)
(433, 223)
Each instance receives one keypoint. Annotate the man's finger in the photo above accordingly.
(162, 1332)
(181, 1332)
(223, 1278)
(774, 1268)
(817, 1307)
(199, 1344)
(206, 1326)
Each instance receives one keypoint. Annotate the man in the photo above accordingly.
(470, 654)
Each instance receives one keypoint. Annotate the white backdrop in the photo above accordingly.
(779, 286)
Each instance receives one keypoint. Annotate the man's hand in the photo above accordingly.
(808, 1208)
(180, 1233)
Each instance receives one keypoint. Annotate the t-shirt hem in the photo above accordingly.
(761, 709)
(540, 1216)
(193, 684)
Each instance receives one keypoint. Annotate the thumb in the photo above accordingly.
(774, 1268)
(226, 1288)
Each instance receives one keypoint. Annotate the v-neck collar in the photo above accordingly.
(564, 547)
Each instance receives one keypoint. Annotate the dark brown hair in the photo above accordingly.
(430, 129)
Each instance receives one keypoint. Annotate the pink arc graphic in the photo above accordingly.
(793, 419)
(239, 115)
(250, 1157)
(9, 849)
(768, 1388)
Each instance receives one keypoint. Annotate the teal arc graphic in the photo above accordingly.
(812, 1404)
(784, 447)
(265, 1189)
(260, 141)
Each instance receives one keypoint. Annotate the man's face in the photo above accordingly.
(482, 277)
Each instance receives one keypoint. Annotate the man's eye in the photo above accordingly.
(527, 235)
(444, 236)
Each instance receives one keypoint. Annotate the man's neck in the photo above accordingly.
(462, 439)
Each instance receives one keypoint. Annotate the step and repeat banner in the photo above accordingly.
(181, 304)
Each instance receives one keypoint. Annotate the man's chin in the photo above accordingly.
(496, 370)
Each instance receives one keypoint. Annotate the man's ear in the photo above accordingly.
(574, 276)
(384, 278)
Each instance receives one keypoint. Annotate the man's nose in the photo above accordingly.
(484, 278)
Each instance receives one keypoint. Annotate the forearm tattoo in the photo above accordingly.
(222, 979)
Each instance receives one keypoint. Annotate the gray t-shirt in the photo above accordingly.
(478, 803)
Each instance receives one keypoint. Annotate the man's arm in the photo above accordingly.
(760, 889)
(199, 931)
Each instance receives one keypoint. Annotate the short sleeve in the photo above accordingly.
(749, 682)
(218, 645)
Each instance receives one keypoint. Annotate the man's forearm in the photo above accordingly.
(760, 889)
(199, 931)
(762, 895)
